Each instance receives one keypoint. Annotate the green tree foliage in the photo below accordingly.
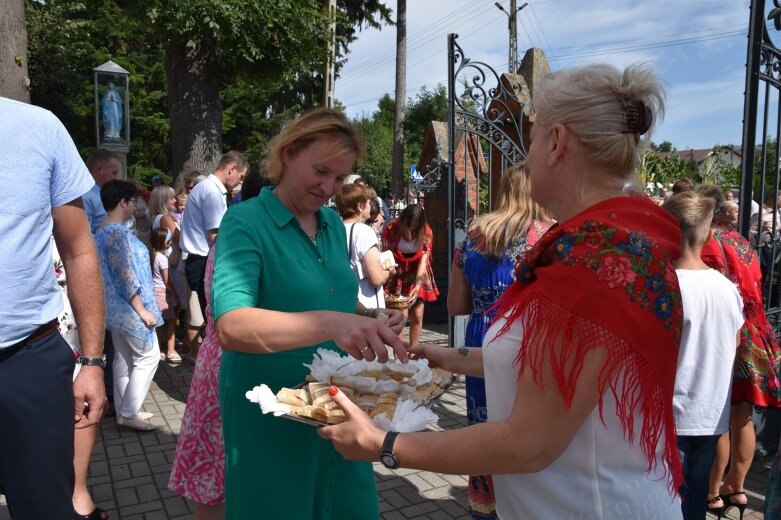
(428, 105)
(656, 169)
(379, 146)
(67, 39)
(277, 48)
(266, 61)
(377, 131)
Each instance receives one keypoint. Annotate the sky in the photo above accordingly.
(697, 46)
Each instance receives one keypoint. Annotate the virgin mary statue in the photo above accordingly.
(112, 113)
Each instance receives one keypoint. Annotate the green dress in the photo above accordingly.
(275, 468)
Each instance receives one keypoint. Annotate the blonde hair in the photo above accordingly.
(597, 103)
(158, 200)
(317, 125)
(349, 198)
(694, 212)
(514, 214)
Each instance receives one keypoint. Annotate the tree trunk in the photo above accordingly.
(194, 108)
(397, 166)
(14, 82)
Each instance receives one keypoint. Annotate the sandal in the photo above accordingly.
(173, 358)
(713, 509)
(96, 514)
(729, 503)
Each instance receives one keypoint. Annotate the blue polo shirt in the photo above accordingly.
(94, 209)
(40, 169)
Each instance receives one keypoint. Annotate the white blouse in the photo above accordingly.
(599, 476)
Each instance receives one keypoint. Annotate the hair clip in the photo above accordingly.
(638, 118)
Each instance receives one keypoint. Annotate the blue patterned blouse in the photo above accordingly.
(126, 270)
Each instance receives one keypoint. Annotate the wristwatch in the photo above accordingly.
(93, 361)
(387, 457)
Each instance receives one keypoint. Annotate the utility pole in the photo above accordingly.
(397, 160)
(512, 26)
(330, 67)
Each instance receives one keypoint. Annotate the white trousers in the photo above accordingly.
(135, 364)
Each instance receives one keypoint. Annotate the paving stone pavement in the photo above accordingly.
(129, 470)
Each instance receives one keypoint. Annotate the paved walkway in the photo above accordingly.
(129, 470)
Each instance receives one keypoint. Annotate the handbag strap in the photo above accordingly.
(350, 244)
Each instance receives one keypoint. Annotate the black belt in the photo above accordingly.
(47, 329)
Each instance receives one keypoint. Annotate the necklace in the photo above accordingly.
(313, 238)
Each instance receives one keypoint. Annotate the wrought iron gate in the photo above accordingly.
(485, 135)
(760, 163)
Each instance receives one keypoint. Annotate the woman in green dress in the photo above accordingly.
(282, 288)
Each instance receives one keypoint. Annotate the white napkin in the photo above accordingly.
(263, 396)
(408, 417)
(327, 363)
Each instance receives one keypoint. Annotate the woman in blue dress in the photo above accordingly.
(483, 267)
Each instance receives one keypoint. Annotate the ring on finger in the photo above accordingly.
(364, 349)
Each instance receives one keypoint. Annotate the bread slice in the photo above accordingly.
(336, 417)
(293, 396)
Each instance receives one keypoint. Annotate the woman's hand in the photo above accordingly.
(413, 293)
(148, 318)
(358, 438)
(365, 338)
(437, 356)
(395, 319)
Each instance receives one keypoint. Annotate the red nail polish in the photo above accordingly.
(333, 391)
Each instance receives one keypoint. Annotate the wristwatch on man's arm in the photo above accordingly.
(93, 361)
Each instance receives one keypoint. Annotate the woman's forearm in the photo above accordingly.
(420, 276)
(261, 331)
(486, 448)
(467, 361)
(137, 303)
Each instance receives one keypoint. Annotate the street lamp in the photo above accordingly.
(512, 26)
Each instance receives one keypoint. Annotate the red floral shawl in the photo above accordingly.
(604, 278)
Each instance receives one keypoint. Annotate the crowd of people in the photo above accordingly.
(613, 344)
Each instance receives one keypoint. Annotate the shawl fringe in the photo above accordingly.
(625, 372)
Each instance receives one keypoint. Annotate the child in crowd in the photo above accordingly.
(167, 297)
(181, 200)
(712, 317)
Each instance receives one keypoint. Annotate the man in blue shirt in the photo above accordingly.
(103, 166)
(42, 179)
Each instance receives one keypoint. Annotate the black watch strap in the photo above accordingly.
(387, 444)
(387, 457)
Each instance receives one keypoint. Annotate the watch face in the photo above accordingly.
(389, 460)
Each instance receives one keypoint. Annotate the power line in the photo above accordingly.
(420, 38)
(422, 61)
(601, 52)
(658, 45)
(545, 38)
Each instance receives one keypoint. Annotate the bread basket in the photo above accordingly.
(396, 302)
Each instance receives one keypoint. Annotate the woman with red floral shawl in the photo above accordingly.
(755, 374)
(580, 364)
(410, 239)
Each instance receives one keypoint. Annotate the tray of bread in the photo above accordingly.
(397, 396)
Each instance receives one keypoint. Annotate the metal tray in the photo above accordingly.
(318, 424)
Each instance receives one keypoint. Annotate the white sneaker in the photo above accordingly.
(145, 415)
(135, 423)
